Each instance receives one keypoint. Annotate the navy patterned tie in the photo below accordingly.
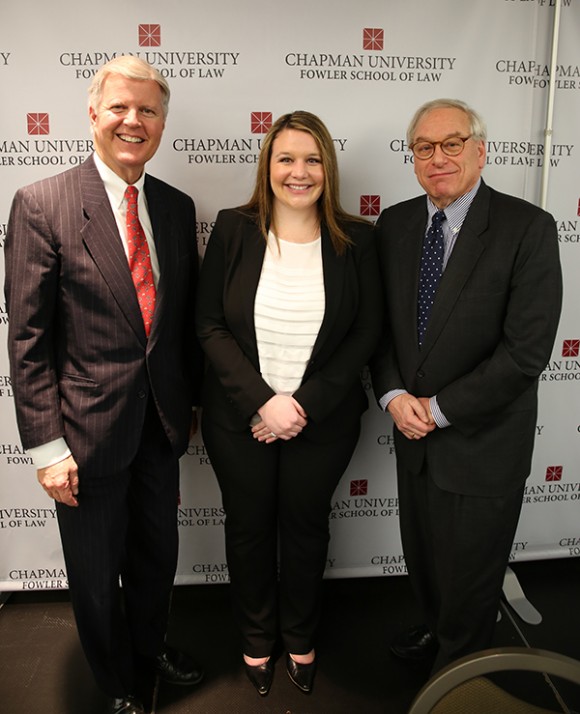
(431, 269)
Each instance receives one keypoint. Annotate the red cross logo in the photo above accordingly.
(260, 122)
(37, 123)
(554, 473)
(373, 38)
(359, 488)
(571, 348)
(149, 35)
(370, 205)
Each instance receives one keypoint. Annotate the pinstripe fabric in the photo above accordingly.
(80, 359)
(125, 526)
(83, 369)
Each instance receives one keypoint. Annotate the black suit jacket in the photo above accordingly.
(81, 365)
(331, 391)
(489, 337)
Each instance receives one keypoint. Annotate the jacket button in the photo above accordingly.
(141, 394)
(420, 374)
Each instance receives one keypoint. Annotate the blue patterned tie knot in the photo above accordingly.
(430, 274)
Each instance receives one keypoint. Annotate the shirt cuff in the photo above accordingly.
(389, 396)
(50, 453)
(438, 416)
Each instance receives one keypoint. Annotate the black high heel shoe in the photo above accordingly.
(261, 676)
(302, 675)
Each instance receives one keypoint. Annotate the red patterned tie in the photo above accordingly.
(140, 260)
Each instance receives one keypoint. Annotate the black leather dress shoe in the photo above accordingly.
(175, 667)
(127, 705)
(302, 675)
(416, 643)
(261, 676)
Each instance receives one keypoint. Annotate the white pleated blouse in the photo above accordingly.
(288, 311)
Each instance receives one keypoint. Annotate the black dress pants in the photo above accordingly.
(277, 503)
(125, 527)
(456, 548)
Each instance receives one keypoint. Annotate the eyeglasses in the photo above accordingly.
(450, 147)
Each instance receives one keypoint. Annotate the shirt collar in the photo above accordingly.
(455, 212)
(114, 184)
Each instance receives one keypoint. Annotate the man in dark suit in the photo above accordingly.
(473, 307)
(104, 383)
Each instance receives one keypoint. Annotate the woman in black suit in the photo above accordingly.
(288, 314)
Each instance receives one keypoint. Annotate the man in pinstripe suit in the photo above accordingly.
(104, 405)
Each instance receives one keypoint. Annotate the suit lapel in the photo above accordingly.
(253, 249)
(101, 238)
(466, 253)
(160, 217)
(333, 267)
(409, 244)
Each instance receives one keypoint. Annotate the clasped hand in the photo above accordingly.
(281, 418)
(412, 415)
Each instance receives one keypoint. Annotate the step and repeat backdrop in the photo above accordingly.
(363, 67)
